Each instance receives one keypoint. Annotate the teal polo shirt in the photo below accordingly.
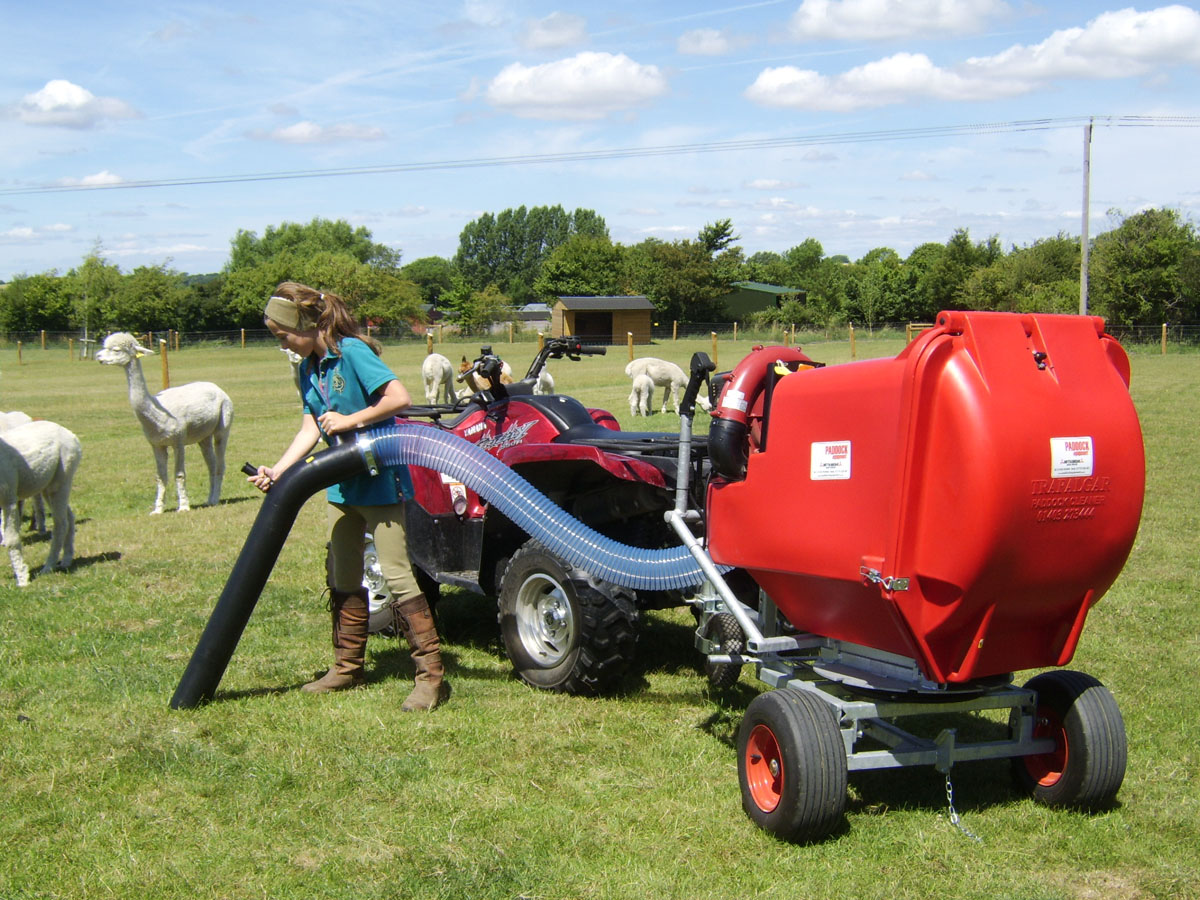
(345, 383)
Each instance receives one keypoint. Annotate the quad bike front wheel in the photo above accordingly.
(564, 631)
(1087, 765)
(792, 765)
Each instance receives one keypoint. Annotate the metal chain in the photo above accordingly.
(955, 820)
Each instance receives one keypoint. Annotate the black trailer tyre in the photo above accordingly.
(562, 630)
(792, 765)
(724, 630)
(1087, 765)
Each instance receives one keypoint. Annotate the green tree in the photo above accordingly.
(433, 276)
(91, 287)
(717, 236)
(319, 235)
(36, 302)
(1146, 271)
(508, 249)
(679, 278)
(327, 255)
(147, 299)
(881, 288)
(583, 266)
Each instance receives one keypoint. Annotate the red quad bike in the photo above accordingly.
(563, 629)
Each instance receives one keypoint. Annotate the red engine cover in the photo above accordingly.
(996, 464)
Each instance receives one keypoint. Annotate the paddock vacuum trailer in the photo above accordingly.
(920, 528)
(886, 542)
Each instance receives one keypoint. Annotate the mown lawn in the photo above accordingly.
(505, 792)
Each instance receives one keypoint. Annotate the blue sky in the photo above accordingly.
(853, 121)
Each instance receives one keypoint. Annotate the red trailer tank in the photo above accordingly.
(963, 504)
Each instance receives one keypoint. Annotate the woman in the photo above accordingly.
(345, 386)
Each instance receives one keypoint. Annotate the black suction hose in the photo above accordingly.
(267, 535)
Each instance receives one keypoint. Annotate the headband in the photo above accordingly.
(288, 314)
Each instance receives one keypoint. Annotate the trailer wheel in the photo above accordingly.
(792, 765)
(724, 630)
(1087, 765)
(564, 631)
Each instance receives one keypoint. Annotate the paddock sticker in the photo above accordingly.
(830, 461)
(734, 399)
(1071, 457)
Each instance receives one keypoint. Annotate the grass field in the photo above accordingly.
(506, 792)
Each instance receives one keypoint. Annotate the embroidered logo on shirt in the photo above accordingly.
(338, 383)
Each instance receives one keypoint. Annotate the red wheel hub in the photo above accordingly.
(1047, 768)
(764, 768)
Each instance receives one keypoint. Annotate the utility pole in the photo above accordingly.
(1083, 241)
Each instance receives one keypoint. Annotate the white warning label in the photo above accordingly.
(830, 461)
(734, 399)
(1071, 457)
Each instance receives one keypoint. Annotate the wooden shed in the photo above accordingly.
(604, 320)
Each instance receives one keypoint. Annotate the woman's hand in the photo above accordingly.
(264, 479)
(335, 423)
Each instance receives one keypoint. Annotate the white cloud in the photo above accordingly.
(859, 20)
(485, 13)
(65, 105)
(1114, 45)
(588, 85)
(554, 32)
(771, 184)
(22, 233)
(703, 42)
(98, 179)
(312, 133)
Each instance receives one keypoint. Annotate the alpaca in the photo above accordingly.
(476, 383)
(544, 383)
(666, 375)
(197, 413)
(437, 374)
(641, 395)
(8, 421)
(40, 457)
(294, 360)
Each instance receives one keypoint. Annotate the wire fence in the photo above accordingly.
(73, 342)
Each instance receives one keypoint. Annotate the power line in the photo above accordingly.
(855, 137)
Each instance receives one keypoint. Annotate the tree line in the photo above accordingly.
(1143, 271)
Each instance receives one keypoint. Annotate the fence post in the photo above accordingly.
(43, 339)
(541, 342)
(243, 338)
(675, 330)
(162, 348)
(852, 348)
(177, 342)
(629, 344)
(714, 343)
(19, 362)
(70, 348)
(1164, 339)
(510, 332)
(439, 332)
(735, 332)
(428, 342)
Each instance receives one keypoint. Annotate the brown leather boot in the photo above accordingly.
(349, 612)
(416, 621)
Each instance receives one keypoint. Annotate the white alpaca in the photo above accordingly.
(8, 421)
(437, 374)
(544, 383)
(294, 360)
(666, 375)
(196, 413)
(641, 395)
(37, 458)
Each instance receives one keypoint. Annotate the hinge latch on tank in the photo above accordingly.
(888, 582)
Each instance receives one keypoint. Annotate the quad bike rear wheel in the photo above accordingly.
(1087, 765)
(563, 630)
(792, 765)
